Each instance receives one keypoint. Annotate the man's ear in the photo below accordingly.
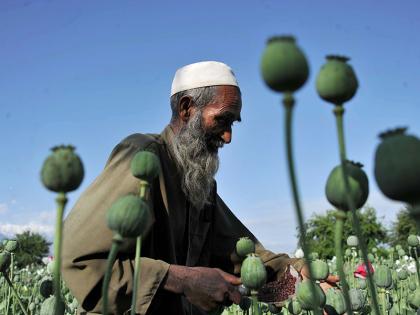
(185, 108)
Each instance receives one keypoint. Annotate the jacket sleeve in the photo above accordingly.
(228, 229)
(87, 240)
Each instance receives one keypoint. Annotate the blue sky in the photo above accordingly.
(90, 73)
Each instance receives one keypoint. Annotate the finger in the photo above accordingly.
(304, 272)
(333, 279)
(230, 278)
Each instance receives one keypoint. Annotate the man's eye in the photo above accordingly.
(224, 122)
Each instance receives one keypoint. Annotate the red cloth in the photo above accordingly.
(361, 271)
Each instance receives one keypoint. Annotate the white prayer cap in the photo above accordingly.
(201, 74)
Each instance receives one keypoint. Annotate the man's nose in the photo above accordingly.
(227, 136)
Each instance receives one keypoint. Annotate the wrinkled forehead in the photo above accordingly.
(227, 100)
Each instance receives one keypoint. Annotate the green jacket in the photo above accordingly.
(179, 234)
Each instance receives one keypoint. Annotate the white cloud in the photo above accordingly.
(10, 230)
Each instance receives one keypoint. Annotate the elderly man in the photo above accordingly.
(188, 261)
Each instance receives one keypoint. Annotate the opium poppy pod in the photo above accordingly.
(335, 300)
(357, 299)
(397, 166)
(336, 82)
(283, 65)
(62, 171)
(145, 165)
(402, 274)
(11, 246)
(320, 269)
(308, 299)
(245, 246)
(253, 273)
(414, 299)
(335, 189)
(383, 277)
(352, 241)
(413, 240)
(48, 306)
(294, 307)
(129, 216)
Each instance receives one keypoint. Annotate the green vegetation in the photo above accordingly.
(32, 247)
(320, 231)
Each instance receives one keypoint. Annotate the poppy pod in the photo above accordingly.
(294, 307)
(336, 82)
(361, 283)
(335, 299)
(413, 240)
(253, 273)
(335, 189)
(48, 306)
(352, 241)
(414, 299)
(397, 166)
(145, 165)
(402, 274)
(62, 171)
(412, 284)
(320, 270)
(245, 246)
(283, 65)
(11, 246)
(309, 299)
(357, 299)
(383, 277)
(129, 216)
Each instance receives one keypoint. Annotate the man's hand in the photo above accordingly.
(207, 288)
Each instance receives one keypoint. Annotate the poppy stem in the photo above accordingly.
(116, 241)
(136, 276)
(288, 102)
(338, 237)
(339, 112)
(61, 201)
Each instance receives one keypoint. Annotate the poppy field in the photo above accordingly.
(369, 283)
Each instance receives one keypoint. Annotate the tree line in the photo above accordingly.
(320, 231)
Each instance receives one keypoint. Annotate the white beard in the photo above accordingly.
(197, 164)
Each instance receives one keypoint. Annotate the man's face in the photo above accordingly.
(195, 146)
(219, 115)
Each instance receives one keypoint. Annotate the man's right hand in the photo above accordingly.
(206, 288)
